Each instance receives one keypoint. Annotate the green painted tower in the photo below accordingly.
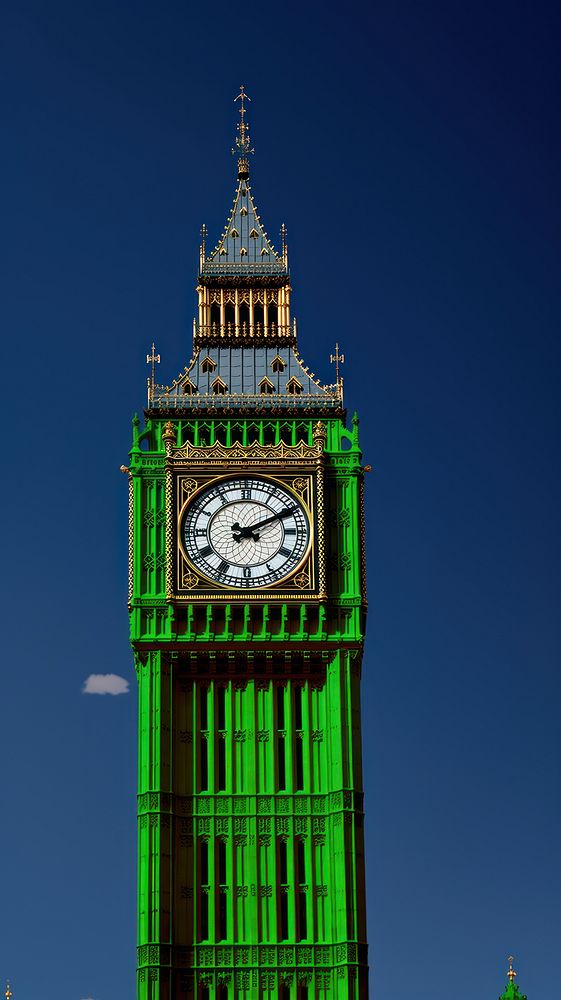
(247, 612)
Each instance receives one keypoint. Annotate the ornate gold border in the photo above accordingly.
(182, 506)
(198, 465)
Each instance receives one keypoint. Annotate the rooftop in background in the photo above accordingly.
(512, 992)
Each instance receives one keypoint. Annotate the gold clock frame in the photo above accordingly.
(300, 468)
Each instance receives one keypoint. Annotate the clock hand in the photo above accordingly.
(269, 520)
(248, 532)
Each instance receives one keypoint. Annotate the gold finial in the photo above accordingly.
(152, 359)
(283, 239)
(243, 142)
(169, 432)
(8, 994)
(511, 972)
(337, 359)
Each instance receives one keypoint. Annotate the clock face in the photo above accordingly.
(246, 532)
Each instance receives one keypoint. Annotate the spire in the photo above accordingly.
(512, 992)
(8, 994)
(244, 250)
(243, 142)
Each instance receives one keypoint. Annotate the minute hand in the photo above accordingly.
(247, 532)
(275, 517)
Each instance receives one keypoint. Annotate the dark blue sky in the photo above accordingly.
(413, 152)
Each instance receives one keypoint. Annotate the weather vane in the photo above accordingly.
(8, 994)
(152, 359)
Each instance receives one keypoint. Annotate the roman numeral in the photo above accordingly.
(223, 568)
(290, 531)
(200, 532)
(206, 551)
(285, 552)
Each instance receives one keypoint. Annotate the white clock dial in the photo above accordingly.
(246, 532)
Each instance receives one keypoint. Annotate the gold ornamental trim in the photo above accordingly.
(191, 584)
(131, 538)
(250, 453)
(191, 576)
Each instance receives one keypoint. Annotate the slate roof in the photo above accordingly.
(242, 370)
(244, 249)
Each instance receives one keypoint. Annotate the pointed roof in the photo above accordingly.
(244, 247)
(244, 250)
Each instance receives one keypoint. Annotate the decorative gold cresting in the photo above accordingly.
(511, 973)
(243, 141)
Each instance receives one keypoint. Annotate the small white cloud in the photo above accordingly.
(105, 684)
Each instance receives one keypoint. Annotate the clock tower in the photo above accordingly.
(247, 612)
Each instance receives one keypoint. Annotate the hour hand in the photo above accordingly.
(238, 533)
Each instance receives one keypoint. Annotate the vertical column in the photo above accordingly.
(287, 308)
(154, 859)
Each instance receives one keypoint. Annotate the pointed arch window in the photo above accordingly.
(207, 365)
(234, 233)
(243, 252)
(188, 388)
(266, 386)
(264, 252)
(219, 387)
(223, 252)
(243, 210)
(293, 387)
(254, 234)
(277, 364)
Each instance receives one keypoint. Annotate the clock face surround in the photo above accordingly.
(246, 532)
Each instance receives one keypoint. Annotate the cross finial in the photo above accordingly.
(8, 994)
(243, 142)
(152, 359)
(242, 96)
(511, 973)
